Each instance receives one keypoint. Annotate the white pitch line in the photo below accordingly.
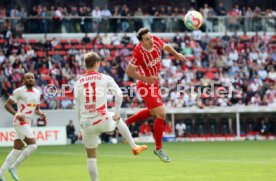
(154, 158)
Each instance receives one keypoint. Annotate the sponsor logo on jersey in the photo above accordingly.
(90, 106)
(154, 62)
(31, 105)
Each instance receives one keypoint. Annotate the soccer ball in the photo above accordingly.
(193, 20)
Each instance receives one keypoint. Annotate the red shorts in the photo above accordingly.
(150, 94)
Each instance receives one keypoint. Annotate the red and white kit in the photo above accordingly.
(26, 101)
(148, 64)
(90, 93)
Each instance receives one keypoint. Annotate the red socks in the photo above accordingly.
(158, 132)
(158, 125)
(139, 116)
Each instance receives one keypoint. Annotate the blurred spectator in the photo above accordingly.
(106, 14)
(168, 128)
(97, 17)
(125, 22)
(180, 128)
(125, 39)
(70, 132)
(106, 39)
(233, 21)
(134, 129)
(145, 129)
(66, 103)
(41, 122)
(221, 11)
(264, 128)
(86, 39)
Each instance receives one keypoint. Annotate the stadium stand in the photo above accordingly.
(246, 62)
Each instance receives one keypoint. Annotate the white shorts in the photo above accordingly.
(23, 131)
(90, 134)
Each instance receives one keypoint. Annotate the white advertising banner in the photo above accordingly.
(43, 136)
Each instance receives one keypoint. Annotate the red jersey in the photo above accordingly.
(148, 62)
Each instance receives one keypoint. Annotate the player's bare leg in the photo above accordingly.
(31, 147)
(92, 163)
(11, 158)
(160, 113)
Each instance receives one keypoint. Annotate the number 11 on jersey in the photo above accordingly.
(90, 86)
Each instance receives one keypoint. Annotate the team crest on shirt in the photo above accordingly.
(133, 60)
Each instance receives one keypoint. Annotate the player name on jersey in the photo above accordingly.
(90, 77)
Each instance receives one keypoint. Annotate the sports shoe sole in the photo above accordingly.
(165, 161)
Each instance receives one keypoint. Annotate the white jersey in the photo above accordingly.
(90, 93)
(26, 101)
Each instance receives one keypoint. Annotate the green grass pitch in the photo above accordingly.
(202, 161)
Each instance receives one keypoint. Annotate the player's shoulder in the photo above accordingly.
(156, 38)
(19, 89)
(106, 77)
(78, 80)
(159, 42)
(137, 49)
(37, 90)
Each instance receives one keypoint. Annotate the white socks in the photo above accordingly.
(92, 168)
(25, 154)
(123, 129)
(13, 155)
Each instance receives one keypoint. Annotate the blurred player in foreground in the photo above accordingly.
(90, 96)
(27, 99)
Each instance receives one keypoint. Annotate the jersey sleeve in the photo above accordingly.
(159, 42)
(115, 89)
(15, 95)
(134, 59)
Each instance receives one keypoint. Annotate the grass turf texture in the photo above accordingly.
(203, 161)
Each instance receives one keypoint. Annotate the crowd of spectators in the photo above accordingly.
(246, 64)
(68, 19)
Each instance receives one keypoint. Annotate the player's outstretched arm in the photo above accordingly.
(172, 51)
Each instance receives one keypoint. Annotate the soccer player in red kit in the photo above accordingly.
(144, 66)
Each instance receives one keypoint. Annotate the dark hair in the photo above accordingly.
(90, 59)
(141, 32)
